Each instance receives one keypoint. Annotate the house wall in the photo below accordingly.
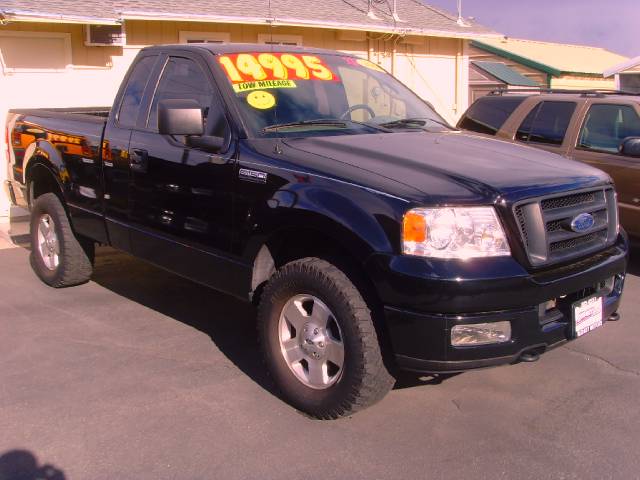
(629, 81)
(481, 84)
(577, 82)
(63, 72)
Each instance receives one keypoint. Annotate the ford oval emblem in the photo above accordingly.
(582, 222)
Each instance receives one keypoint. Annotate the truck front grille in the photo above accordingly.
(568, 201)
(545, 225)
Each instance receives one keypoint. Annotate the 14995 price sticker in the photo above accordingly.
(249, 67)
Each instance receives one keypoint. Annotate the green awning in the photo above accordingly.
(505, 74)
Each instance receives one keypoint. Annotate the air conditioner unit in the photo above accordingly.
(104, 36)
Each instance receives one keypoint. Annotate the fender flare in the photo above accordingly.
(356, 228)
(44, 152)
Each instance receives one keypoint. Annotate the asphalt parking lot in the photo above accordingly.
(141, 374)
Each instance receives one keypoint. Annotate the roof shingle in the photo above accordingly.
(415, 17)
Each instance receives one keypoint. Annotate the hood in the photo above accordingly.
(484, 167)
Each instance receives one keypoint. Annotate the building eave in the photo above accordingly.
(398, 29)
(584, 74)
(42, 17)
(296, 22)
(621, 67)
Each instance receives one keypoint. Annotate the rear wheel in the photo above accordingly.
(57, 256)
(319, 340)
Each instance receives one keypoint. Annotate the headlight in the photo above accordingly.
(453, 232)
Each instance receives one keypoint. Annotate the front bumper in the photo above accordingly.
(428, 302)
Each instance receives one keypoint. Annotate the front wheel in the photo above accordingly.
(319, 340)
(57, 256)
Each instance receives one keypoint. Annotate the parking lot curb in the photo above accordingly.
(15, 227)
(4, 230)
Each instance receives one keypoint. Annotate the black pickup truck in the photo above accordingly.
(371, 235)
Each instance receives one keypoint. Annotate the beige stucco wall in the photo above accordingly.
(575, 82)
(435, 68)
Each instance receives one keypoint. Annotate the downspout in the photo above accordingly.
(393, 57)
(458, 77)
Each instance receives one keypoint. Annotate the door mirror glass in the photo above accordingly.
(630, 147)
(180, 117)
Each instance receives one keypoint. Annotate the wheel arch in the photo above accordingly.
(337, 222)
(43, 153)
(320, 237)
(41, 178)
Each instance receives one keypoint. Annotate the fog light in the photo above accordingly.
(480, 333)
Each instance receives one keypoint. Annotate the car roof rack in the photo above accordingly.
(583, 93)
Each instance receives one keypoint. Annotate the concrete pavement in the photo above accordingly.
(142, 374)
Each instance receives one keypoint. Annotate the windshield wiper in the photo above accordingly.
(415, 123)
(330, 122)
(319, 121)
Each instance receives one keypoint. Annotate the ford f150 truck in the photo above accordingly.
(370, 234)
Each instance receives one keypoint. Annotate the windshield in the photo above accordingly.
(294, 94)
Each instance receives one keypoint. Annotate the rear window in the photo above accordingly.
(488, 114)
(132, 97)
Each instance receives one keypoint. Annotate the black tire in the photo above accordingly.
(75, 258)
(364, 378)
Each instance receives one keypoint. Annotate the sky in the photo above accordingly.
(612, 24)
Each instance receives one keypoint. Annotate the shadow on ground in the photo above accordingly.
(23, 465)
(634, 262)
(229, 322)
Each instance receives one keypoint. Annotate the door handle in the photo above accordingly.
(139, 160)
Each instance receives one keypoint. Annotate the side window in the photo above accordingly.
(183, 78)
(606, 126)
(130, 105)
(547, 123)
(524, 129)
(488, 114)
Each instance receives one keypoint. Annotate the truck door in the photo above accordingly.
(604, 128)
(115, 148)
(181, 192)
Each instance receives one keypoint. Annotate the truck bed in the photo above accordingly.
(70, 138)
(91, 114)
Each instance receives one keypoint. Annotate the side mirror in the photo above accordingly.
(180, 117)
(630, 147)
(208, 143)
